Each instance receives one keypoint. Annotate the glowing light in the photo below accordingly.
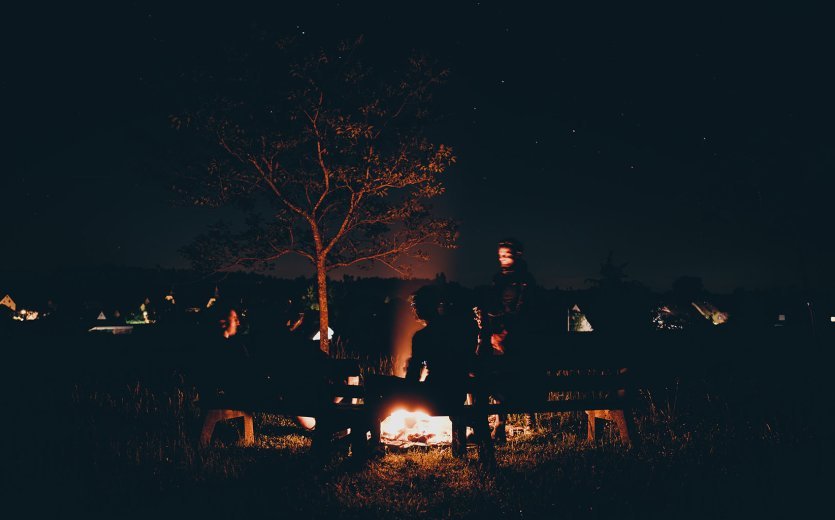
(832, 319)
(711, 313)
(116, 330)
(577, 321)
(29, 315)
(407, 428)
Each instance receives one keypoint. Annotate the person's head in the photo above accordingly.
(426, 302)
(510, 253)
(229, 322)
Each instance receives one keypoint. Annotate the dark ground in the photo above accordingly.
(106, 427)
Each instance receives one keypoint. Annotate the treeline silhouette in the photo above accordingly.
(365, 310)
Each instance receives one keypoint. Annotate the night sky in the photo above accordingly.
(690, 141)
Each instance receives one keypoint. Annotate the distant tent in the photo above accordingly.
(318, 336)
(101, 317)
(116, 330)
(8, 302)
(577, 321)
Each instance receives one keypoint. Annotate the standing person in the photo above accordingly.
(506, 319)
(441, 356)
(510, 301)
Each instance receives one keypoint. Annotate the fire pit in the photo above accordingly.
(404, 428)
(410, 421)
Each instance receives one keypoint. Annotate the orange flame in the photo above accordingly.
(406, 427)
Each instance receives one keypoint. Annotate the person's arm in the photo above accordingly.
(413, 369)
(414, 365)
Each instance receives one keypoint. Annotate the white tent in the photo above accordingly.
(577, 321)
(8, 302)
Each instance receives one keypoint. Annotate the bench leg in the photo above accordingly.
(376, 432)
(623, 419)
(375, 419)
(361, 448)
(209, 422)
(322, 437)
(249, 430)
(592, 426)
(215, 416)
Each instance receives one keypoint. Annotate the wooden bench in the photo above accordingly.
(572, 372)
(332, 401)
(601, 394)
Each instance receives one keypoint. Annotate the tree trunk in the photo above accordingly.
(322, 279)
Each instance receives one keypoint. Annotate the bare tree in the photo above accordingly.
(327, 158)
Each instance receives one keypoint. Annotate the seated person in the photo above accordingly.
(226, 369)
(288, 362)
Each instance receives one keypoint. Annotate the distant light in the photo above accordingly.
(317, 336)
(113, 329)
(781, 317)
(832, 319)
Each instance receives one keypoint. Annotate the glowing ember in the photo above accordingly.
(405, 428)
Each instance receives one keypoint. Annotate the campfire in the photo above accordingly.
(404, 428)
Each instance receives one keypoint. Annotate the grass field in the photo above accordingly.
(122, 444)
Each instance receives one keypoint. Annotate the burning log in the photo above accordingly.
(415, 428)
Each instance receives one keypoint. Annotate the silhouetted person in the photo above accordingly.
(227, 370)
(441, 357)
(277, 337)
(303, 367)
(286, 359)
